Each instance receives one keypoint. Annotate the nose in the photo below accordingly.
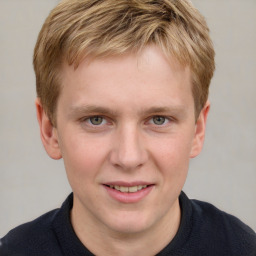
(129, 149)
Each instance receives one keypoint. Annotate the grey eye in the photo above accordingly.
(96, 120)
(159, 120)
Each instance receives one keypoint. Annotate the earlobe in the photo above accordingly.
(200, 131)
(48, 132)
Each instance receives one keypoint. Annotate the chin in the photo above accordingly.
(130, 223)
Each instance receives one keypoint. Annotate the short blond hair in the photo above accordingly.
(78, 28)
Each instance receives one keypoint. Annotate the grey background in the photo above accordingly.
(225, 172)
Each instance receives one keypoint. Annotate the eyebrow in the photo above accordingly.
(173, 110)
(163, 110)
(89, 109)
(86, 109)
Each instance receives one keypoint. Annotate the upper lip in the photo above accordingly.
(127, 184)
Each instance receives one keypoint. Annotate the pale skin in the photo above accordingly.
(125, 120)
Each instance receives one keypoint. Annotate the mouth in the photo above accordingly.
(130, 189)
(128, 192)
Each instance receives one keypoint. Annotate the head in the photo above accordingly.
(122, 89)
(76, 29)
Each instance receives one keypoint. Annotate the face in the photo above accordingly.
(126, 131)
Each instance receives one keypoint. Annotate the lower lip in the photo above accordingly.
(128, 197)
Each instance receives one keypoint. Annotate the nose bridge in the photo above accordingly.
(129, 151)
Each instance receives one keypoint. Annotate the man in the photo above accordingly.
(123, 98)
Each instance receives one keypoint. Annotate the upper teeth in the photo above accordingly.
(129, 189)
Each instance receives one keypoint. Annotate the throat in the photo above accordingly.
(100, 239)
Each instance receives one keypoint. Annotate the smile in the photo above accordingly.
(128, 193)
(132, 189)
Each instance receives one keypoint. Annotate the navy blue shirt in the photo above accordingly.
(204, 230)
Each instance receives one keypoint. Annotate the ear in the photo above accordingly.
(200, 131)
(48, 132)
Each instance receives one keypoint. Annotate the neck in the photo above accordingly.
(101, 240)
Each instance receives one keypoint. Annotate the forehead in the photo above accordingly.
(142, 61)
(140, 79)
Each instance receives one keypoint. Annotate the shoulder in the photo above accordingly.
(222, 230)
(33, 238)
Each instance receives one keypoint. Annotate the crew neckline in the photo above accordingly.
(71, 245)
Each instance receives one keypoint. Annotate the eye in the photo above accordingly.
(96, 120)
(159, 120)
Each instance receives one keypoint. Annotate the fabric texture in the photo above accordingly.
(204, 230)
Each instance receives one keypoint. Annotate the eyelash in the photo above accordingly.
(105, 121)
(88, 121)
(166, 120)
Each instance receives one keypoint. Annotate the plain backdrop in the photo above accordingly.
(224, 174)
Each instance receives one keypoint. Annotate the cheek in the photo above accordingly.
(82, 158)
(172, 160)
(173, 153)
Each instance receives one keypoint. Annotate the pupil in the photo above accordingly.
(158, 120)
(96, 120)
